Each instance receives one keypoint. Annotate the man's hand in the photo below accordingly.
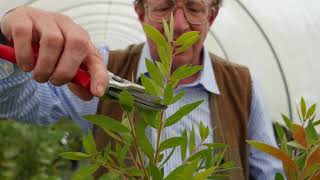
(64, 45)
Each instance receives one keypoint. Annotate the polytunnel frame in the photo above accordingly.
(255, 21)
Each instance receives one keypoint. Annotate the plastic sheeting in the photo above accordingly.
(278, 40)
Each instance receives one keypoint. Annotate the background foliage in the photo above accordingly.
(30, 152)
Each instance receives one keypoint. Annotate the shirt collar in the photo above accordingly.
(207, 78)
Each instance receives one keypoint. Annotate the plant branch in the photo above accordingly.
(136, 145)
(158, 140)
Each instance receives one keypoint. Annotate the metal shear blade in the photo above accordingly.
(141, 99)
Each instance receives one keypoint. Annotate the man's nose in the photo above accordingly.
(181, 24)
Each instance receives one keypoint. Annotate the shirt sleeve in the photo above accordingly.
(262, 166)
(23, 99)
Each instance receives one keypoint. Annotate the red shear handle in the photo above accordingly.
(82, 78)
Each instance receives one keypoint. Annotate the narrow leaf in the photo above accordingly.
(316, 123)
(184, 144)
(311, 132)
(154, 35)
(89, 143)
(134, 171)
(289, 165)
(287, 121)
(162, 69)
(164, 57)
(166, 30)
(168, 95)
(192, 140)
(154, 172)
(154, 72)
(147, 84)
(303, 107)
(184, 72)
(106, 152)
(143, 141)
(179, 96)
(311, 111)
(126, 101)
(170, 143)
(75, 155)
(168, 157)
(183, 111)
(188, 44)
(84, 172)
(107, 123)
(299, 134)
(295, 145)
(204, 131)
(204, 174)
(184, 38)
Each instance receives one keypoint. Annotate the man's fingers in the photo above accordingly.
(21, 32)
(75, 51)
(98, 72)
(52, 44)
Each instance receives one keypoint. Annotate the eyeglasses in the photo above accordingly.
(196, 11)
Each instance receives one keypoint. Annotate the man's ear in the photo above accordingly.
(140, 12)
(213, 15)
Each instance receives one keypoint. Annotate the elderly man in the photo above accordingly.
(233, 103)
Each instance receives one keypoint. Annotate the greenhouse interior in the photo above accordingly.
(277, 40)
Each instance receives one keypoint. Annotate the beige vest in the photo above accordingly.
(230, 110)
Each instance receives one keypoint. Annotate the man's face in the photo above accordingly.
(186, 18)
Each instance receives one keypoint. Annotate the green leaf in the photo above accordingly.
(279, 177)
(168, 157)
(170, 143)
(168, 95)
(151, 117)
(183, 111)
(198, 155)
(218, 176)
(151, 87)
(154, 72)
(89, 143)
(107, 151)
(311, 132)
(228, 165)
(316, 123)
(301, 159)
(184, 38)
(107, 123)
(295, 145)
(126, 101)
(154, 172)
(84, 172)
(184, 72)
(287, 121)
(75, 155)
(204, 174)
(184, 144)
(164, 57)
(178, 97)
(171, 25)
(167, 30)
(282, 137)
(204, 131)
(188, 44)
(162, 69)
(303, 107)
(134, 171)
(311, 111)
(110, 176)
(192, 140)
(143, 141)
(124, 151)
(154, 35)
(184, 171)
(289, 165)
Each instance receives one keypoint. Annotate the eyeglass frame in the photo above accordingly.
(212, 8)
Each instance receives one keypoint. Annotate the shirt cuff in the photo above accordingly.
(6, 69)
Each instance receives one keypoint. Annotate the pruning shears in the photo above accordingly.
(116, 83)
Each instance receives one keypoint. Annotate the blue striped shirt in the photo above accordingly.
(23, 99)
